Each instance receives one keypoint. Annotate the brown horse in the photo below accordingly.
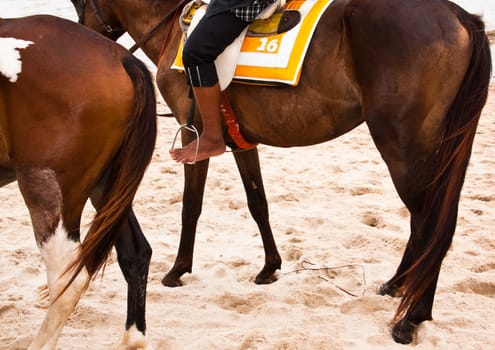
(78, 121)
(416, 72)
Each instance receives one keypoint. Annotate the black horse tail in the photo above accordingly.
(452, 158)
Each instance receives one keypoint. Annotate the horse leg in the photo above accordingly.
(57, 254)
(409, 170)
(192, 201)
(134, 255)
(44, 199)
(420, 311)
(249, 167)
(434, 228)
(412, 252)
(403, 330)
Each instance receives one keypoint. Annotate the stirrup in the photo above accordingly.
(192, 129)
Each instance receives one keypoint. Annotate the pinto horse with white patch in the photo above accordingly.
(77, 122)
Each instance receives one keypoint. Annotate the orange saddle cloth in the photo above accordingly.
(276, 59)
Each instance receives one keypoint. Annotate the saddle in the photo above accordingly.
(279, 22)
(275, 19)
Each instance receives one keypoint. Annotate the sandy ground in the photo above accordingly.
(340, 228)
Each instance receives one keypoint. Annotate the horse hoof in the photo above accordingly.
(403, 332)
(170, 280)
(387, 289)
(265, 279)
(266, 276)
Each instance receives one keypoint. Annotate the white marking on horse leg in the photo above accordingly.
(134, 339)
(58, 253)
(10, 64)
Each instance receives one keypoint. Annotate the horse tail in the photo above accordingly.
(451, 161)
(125, 173)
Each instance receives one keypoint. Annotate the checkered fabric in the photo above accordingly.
(249, 13)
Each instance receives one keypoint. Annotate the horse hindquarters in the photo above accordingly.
(423, 132)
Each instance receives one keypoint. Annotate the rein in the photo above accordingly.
(109, 28)
(105, 26)
(80, 6)
(148, 35)
(167, 37)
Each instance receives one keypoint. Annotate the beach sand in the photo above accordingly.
(340, 228)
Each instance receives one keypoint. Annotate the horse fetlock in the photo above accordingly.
(275, 263)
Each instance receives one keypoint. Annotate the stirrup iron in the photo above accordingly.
(192, 129)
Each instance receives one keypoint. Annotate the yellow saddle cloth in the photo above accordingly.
(276, 59)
